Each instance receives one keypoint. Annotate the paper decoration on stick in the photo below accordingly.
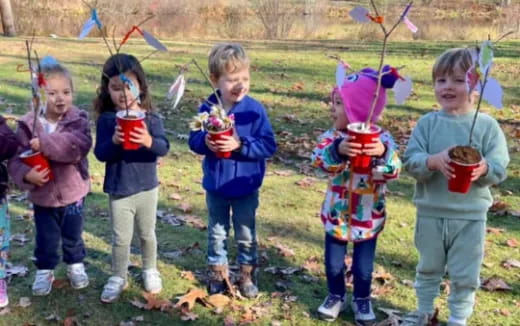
(177, 90)
(485, 56)
(340, 74)
(410, 25)
(402, 89)
(360, 14)
(133, 89)
(89, 25)
(492, 93)
(152, 41)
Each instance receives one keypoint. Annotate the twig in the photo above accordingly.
(148, 55)
(210, 83)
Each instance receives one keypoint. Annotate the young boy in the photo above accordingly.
(232, 184)
(450, 227)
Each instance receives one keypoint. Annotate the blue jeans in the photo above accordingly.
(243, 209)
(362, 266)
(55, 224)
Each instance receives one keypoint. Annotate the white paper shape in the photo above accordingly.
(410, 25)
(177, 89)
(360, 14)
(492, 93)
(402, 89)
(87, 27)
(340, 74)
(152, 41)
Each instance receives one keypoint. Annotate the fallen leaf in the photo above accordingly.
(218, 300)
(494, 230)
(5, 311)
(505, 312)
(498, 205)
(512, 243)
(24, 302)
(511, 263)
(313, 265)
(70, 321)
(190, 298)
(155, 303)
(187, 315)
(137, 303)
(60, 283)
(495, 284)
(283, 173)
(188, 275)
(306, 182)
(175, 196)
(284, 250)
(229, 321)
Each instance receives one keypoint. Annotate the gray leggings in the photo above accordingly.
(125, 212)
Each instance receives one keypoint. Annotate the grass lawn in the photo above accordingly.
(293, 80)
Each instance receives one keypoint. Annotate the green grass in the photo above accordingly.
(287, 212)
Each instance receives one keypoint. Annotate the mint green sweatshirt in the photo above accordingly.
(437, 131)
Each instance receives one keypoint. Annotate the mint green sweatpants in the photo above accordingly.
(139, 211)
(453, 246)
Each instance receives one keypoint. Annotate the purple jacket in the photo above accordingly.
(66, 149)
(8, 147)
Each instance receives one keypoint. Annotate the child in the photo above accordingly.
(130, 175)
(450, 227)
(63, 136)
(233, 184)
(8, 147)
(354, 205)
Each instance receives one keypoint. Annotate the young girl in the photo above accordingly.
(130, 175)
(63, 136)
(8, 147)
(363, 221)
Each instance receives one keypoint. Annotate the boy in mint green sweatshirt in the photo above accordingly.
(451, 227)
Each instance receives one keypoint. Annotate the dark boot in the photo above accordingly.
(247, 282)
(217, 275)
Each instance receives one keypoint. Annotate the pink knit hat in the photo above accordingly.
(358, 91)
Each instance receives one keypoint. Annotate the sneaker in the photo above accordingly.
(4, 299)
(363, 313)
(113, 289)
(152, 280)
(43, 282)
(77, 276)
(416, 318)
(331, 307)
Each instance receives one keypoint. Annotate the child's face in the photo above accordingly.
(451, 92)
(59, 96)
(118, 92)
(233, 86)
(337, 112)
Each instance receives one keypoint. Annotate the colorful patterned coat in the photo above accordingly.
(367, 198)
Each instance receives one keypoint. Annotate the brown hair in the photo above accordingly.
(227, 57)
(55, 68)
(451, 59)
(115, 65)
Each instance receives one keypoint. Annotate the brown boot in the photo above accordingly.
(247, 282)
(217, 275)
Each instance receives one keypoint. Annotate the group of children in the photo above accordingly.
(450, 229)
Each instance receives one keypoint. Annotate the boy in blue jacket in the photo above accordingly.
(232, 185)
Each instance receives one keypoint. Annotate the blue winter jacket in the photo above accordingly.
(243, 172)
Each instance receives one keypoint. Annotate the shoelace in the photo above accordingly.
(363, 306)
(332, 300)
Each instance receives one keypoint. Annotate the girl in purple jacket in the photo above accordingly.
(8, 146)
(62, 135)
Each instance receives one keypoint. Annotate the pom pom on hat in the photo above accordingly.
(358, 91)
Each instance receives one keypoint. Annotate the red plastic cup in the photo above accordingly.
(362, 163)
(462, 181)
(33, 159)
(217, 135)
(134, 119)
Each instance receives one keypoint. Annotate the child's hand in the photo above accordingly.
(210, 143)
(35, 144)
(228, 143)
(141, 136)
(440, 162)
(376, 148)
(481, 170)
(38, 178)
(349, 148)
(118, 137)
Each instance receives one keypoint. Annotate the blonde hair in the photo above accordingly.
(451, 59)
(227, 57)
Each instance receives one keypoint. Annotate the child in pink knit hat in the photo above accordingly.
(354, 206)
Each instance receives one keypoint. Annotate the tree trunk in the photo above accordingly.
(7, 18)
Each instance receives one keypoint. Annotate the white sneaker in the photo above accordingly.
(43, 282)
(77, 276)
(113, 289)
(152, 280)
(363, 313)
(331, 307)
